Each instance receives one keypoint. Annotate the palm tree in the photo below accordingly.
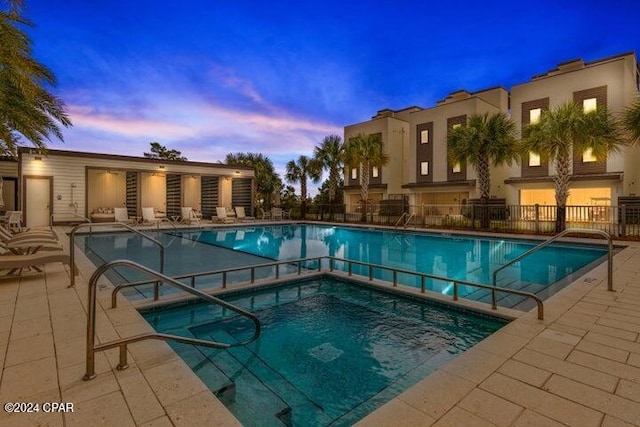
(330, 155)
(631, 122)
(564, 130)
(27, 110)
(365, 151)
(301, 171)
(268, 183)
(484, 140)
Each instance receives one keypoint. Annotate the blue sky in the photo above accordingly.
(210, 77)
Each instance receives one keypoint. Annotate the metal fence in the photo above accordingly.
(621, 221)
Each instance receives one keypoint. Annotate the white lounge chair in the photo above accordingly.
(277, 213)
(265, 214)
(189, 216)
(149, 217)
(121, 215)
(221, 214)
(18, 262)
(240, 214)
(14, 221)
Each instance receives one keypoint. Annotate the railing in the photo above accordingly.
(622, 220)
(223, 273)
(72, 246)
(92, 348)
(372, 267)
(556, 237)
(402, 217)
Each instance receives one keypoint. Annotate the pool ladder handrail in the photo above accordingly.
(332, 260)
(72, 246)
(556, 237)
(406, 222)
(92, 348)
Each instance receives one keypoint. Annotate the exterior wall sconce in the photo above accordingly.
(37, 158)
(161, 167)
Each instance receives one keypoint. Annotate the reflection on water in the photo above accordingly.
(460, 257)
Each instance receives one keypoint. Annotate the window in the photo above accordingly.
(534, 159)
(456, 126)
(354, 173)
(534, 116)
(588, 157)
(424, 136)
(374, 172)
(456, 168)
(589, 105)
(424, 168)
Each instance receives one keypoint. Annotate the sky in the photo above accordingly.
(209, 77)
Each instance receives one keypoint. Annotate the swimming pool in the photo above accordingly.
(472, 258)
(330, 352)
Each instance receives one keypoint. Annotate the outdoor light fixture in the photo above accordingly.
(161, 166)
(37, 158)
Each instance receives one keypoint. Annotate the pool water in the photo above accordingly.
(471, 258)
(330, 352)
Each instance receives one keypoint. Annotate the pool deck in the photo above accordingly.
(580, 366)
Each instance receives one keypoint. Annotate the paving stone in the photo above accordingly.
(490, 407)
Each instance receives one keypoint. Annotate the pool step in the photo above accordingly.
(253, 379)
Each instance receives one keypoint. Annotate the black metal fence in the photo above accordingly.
(621, 221)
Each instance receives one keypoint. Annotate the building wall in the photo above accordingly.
(67, 170)
(617, 74)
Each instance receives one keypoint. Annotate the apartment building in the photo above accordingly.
(415, 140)
(611, 82)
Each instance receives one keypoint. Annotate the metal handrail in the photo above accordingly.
(223, 272)
(72, 246)
(556, 237)
(406, 223)
(494, 289)
(400, 219)
(92, 348)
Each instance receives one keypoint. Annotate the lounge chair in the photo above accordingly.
(265, 214)
(149, 217)
(240, 214)
(29, 246)
(277, 213)
(14, 221)
(27, 236)
(18, 262)
(221, 214)
(121, 215)
(189, 216)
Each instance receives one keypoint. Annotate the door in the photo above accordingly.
(37, 210)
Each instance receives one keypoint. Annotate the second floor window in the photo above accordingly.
(588, 157)
(457, 167)
(424, 136)
(534, 115)
(424, 168)
(589, 105)
(534, 159)
(374, 172)
(354, 173)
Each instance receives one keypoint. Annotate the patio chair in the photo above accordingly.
(221, 214)
(18, 262)
(277, 214)
(240, 214)
(121, 215)
(189, 216)
(149, 217)
(6, 235)
(14, 221)
(265, 214)
(29, 246)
